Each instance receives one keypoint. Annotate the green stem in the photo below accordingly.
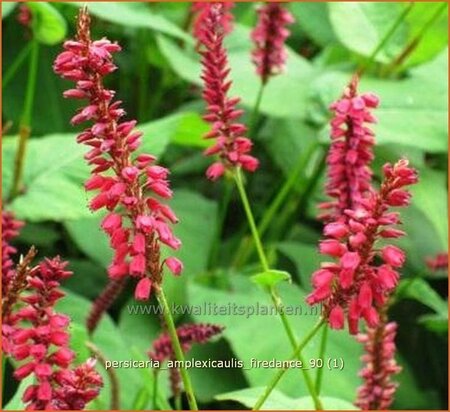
(224, 203)
(246, 247)
(296, 206)
(323, 347)
(255, 112)
(386, 37)
(178, 405)
(20, 59)
(179, 356)
(276, 299)
(277, 377)
(411, 46)
(251, 219)
(25, 122)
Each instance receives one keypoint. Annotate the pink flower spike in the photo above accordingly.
(269, 36)
(116, 171)
(174, 265)
(143, 289)
(231, 147)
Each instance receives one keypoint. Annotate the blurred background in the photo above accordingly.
(159, 84)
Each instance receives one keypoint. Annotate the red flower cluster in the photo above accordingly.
(438, 262)
(24, 15)
(121, 179)
(231, 145)
(200, 11)
(351, 151)
(377, 392)
(355, 283)
(188, 335)
(10, 230)
(269, 37)
(35, 333)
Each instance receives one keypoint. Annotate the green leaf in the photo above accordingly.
(362, 26)
(90, 239)
(305, 257)
(7, 8)
(78, 338)
(314, 20)
(437, 323)
(271, 277)
(49, 27)
(49, 166)
(278, 401)
(430, 196)
(250, 322)
(435, 38)
(134, 14)
(15, 403)
(420, 290)
(287, 140)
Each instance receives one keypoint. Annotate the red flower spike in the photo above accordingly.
(36, 335)
(438, 262)
(269, 36)
(377, 392)
(231, 146)
(200, 12)
(10, 230)
(351, 151)
(355, 284)
(113, 141)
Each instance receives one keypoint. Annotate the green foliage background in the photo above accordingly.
(158, 80)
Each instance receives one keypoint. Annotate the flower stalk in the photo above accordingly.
(25, 121)
(178, 352)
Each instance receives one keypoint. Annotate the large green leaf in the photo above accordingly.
(430, 196)
(420, 290)
(278, 401)
(15, 403)
(49, 27)
(306, 258)
(7, 8)
(284, 95)
(361, 26)
(412, 112)
(134, 14)
(233, 309)
(314, 20)
(435, 37)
